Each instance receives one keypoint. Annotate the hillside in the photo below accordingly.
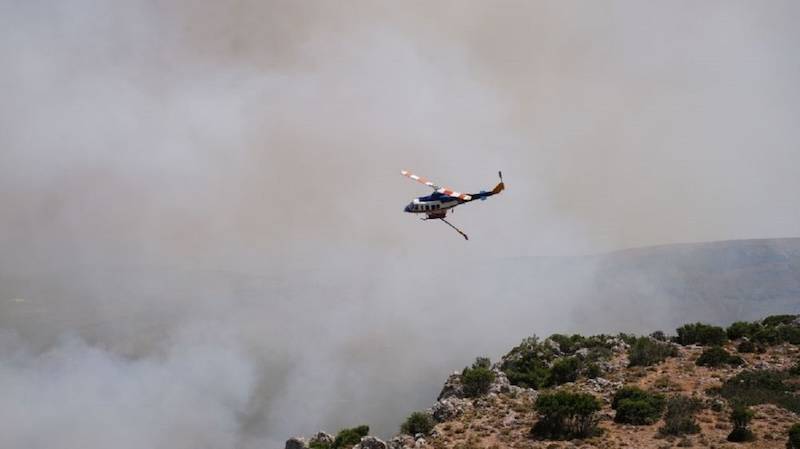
(541, 394)
(638, 290)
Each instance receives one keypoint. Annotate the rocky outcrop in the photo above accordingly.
(321, 439)
(449, 408)
(453, 388)
(296, 443)
(370, 443)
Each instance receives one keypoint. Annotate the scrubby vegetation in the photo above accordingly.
(647, 351)
(418, 422)
(761, 387)
(717, 356)
(794, 437)
(776, 320)
(740, 418)
(772, 330)
(349, 437)
(679, 417)
(478, 378)
(564, 415)
(701, 334)
(565, 370)
(556, 360)
(636, 406)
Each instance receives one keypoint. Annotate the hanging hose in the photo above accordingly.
(457, 230)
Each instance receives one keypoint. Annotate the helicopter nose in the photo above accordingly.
(407, 208)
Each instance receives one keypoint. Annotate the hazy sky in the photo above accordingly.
(203, 243)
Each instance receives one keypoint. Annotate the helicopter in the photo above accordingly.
(436, 205)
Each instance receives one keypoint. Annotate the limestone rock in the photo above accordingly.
(322, 438)
(449, 408)
(452, 387)
(370, 443)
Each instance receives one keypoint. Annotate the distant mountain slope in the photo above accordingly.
(717, 281)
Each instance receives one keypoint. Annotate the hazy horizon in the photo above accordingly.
(204, 243)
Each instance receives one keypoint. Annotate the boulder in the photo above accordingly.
(370, 443)
(322, 438)
(296, 443)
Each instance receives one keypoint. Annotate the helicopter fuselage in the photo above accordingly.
(432, 203)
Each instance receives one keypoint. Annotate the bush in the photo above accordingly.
(741, 329)
(349, 437)
(565, 415)
(795, 370)
(478, 378)
(702, 334)
(794, 437)
(746, 346)
(627, 338)
(760, 387)
(679, 417)
(567, 345)
(775, 335)
(646, 351)
(527, 364)
(789, 333)
(716, 356)
(564, 370)
(767, 336)
(740, 418)
(636, 406)
(774, 320)
(319, 445)
(418, 422)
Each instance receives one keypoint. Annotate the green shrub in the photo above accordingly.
(716, 356)
(740, 418)
(646, 351)
(789, 333)
(767, 336)
(746, 346)
(636, 406)
(527, 364)
(702, 334)
(774, 320)
(775, 335)
(565, 415)
(349, 437)
(761, 387)
(567, 344)
(564, 370)
(478, 378)
(794, 437)
(679, 417)
(627, 338)
(741, 329)
(418, 422)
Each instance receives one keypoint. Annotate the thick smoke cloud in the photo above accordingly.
(202, 237)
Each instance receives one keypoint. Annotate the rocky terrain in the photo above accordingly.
(502, 415)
